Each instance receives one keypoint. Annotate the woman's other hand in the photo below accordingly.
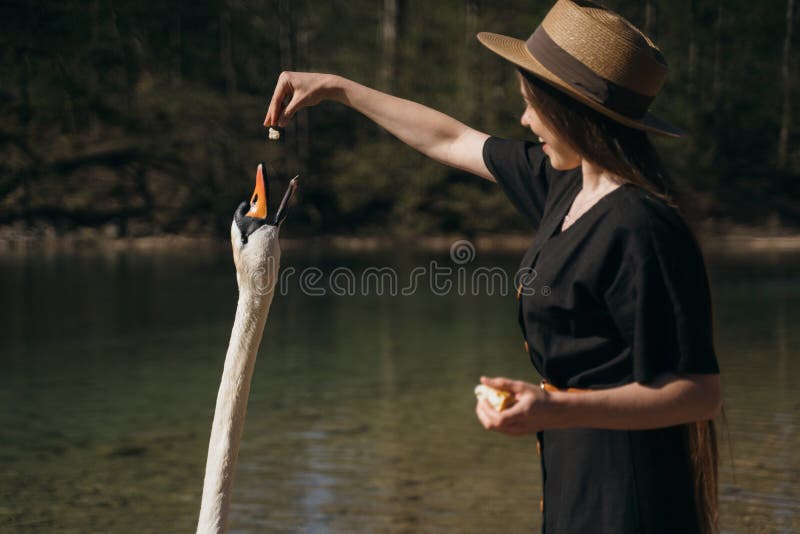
(526, 416)
(297, 90)
(668, 399)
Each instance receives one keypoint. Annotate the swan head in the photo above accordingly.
(254, 235)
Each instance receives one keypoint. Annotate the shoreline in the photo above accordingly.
(732, 239)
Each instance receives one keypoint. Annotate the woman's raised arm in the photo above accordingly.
(431, 132)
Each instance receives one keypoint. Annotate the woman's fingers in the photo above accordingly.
(483, 415)
(491, 419)
(295, 91)
(504, 384)
(291, 109)
(503, 427)
(283, 90)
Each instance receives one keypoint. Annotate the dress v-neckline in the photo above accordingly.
(578, 187)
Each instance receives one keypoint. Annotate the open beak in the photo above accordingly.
(258, 202)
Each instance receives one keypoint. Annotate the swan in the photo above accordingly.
(256, 254)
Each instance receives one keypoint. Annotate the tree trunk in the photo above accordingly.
(469, 83)
(716, 81)
(176, 66)
(649, 17)
(303, 125)
(288, 44)
(285, 35)
(131, 50)
(786, 87)
(692, 84)
(24, 112)
(388, 36)
(226, 47)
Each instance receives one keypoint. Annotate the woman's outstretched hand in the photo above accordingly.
(431, 132)
(527, 415)
(297, 90)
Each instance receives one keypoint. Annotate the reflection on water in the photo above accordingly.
(361, 412)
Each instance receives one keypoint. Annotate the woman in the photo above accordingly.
(622, 334)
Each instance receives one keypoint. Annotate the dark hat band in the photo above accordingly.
(581, 78)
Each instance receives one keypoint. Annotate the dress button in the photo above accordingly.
(538, 447)
(519, 291)
(541, 504)
(526, 347)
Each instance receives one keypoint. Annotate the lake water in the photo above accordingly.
(361, 416)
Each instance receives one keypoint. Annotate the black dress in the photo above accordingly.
(619, 296)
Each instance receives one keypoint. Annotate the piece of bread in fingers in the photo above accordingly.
(500, 400)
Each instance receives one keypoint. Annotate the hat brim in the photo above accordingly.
(515, 51)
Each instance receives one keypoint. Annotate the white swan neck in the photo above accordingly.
(231, 407)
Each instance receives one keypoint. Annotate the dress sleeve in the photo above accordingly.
(521, 170)
(662, 307)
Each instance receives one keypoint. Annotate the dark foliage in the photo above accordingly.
(146, 117)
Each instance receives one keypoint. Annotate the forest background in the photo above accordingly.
(136, 118)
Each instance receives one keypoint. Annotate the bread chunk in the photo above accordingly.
(500, 400)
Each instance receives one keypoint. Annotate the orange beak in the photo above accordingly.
(258, 202)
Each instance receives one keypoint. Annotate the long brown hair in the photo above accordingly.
(623, 151)
(630, 155)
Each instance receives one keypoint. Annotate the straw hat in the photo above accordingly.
(595, 56)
